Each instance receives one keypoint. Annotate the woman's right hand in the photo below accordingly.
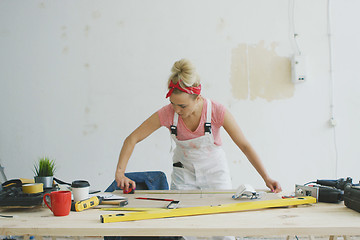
(123, 182)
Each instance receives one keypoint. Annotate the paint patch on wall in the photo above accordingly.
(220, 26)
(65, 50)
(89, 129)
(86, 30)
(96, 14)
(258, 72)
(120, 23)
(63, 34)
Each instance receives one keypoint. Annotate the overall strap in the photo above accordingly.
(173, 127)
(207, 125)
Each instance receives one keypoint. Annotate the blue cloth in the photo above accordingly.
(151, 180)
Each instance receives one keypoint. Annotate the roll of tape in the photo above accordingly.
(33, 188)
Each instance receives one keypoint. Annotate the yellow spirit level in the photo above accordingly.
(192, 211)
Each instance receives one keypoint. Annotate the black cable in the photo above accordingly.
(308, 183)
(61, 182)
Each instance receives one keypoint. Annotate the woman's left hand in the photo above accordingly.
(273, 185)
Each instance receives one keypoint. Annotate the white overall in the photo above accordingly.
(199, 163)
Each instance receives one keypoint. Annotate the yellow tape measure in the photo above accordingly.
(32, 188)
(192, 211)
(85, 204)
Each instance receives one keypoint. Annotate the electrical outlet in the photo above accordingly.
(332, 122)
(298, 68)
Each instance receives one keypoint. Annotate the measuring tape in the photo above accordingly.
(193, 211)
(32, 188)
(85, 204)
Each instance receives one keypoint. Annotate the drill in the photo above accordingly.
(332, 191)
(339, 184)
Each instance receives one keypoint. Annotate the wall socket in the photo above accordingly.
(298, 68)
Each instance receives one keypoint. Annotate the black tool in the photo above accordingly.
(339, 183)
(330, 195)
(352, 197)
(12, 195)
(173, 205)
(334, 191)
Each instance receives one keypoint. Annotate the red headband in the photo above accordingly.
(189, 90)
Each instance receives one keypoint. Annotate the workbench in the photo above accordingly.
(320, 219)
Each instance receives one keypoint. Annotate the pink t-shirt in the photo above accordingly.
(166, 116)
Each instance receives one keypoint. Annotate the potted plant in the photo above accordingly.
(44, 171)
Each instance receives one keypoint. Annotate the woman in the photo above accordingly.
(194, 122)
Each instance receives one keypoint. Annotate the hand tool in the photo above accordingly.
(329, 191)
(352, 197)
(136, 209)
(172, 205)
(94, 201)
(321, 193)
(339, 183)
(245, 190)
(86, 204)
(131, 190)
(192, 211)
(155, 199)
(119, 202)
(12, 195)
(332, 191)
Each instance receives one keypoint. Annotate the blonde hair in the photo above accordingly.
(185, 71)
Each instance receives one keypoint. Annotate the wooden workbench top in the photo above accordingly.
(317, 219)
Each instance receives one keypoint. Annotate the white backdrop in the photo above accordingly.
(78, 76)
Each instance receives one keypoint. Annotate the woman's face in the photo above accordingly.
(184, 104)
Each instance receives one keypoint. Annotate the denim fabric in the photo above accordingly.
(151, 180)
(143, 238)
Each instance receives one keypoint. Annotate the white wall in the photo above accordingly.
(76, 77)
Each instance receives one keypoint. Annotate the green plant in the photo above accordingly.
(45, 167)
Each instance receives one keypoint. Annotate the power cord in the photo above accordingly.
(293, 34)
(332, 87)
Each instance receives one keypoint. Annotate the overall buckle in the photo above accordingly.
(173, 130)
(207, 127)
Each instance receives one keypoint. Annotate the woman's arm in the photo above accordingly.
(234, 131)
(144, 130)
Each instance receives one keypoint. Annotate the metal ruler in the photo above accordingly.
(193, 211)
(136, 209)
